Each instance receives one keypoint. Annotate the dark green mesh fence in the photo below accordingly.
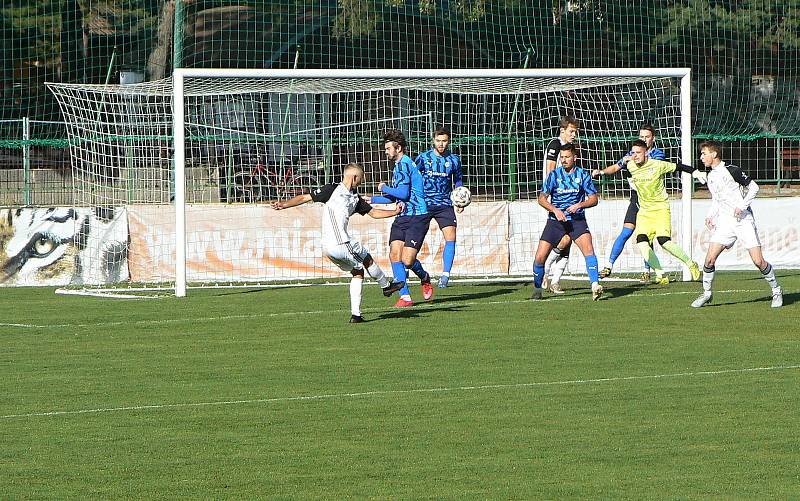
(745, 54)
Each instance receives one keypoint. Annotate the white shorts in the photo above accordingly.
(729, 229)
(348, 256)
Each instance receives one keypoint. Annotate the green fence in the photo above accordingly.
(745, 55)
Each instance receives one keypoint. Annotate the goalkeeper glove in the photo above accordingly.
(701, 176)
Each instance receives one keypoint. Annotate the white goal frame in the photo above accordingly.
(179, 159)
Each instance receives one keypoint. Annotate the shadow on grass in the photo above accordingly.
(471, 296)
(788, 299)
(417, 311)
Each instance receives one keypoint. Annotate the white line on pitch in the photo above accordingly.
(418, 307)
(331, 396)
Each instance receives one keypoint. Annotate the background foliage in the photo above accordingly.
(745, 53)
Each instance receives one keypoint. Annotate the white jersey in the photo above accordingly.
(340, 204)
(730, 189)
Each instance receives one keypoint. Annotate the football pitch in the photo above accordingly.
(476, 394)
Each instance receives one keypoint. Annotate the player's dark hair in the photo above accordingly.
(650, 128)
(639, 143)
(714, 146)
(442, 131)
(570, 147)
(568, 120)
(397, 137)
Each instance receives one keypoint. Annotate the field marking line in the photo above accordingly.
(331, 396)
(417, 307)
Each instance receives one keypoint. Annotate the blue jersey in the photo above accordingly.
(566, 189)
(441, 174)
(406, 173)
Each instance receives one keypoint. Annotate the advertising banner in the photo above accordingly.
(63, 246)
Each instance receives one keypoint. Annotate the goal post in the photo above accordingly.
(196, 159)
(683, 74)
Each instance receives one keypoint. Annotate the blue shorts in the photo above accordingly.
(555, 230)
(445, 215)
(410, 229)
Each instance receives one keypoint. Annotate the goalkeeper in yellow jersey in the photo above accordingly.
(653, 222)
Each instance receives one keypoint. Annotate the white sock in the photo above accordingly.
(708, 280)
(355, 295)
(769, 276)
(377, 274)
(551, 258)
(558, 269)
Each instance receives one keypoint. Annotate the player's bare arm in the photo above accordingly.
(384, 213)
(292, 202)
(590, 201)
(610, 170)
(545, 203)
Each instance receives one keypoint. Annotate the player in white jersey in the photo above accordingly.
(731, 218)
(341, 201)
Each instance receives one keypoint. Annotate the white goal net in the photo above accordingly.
(194, 161)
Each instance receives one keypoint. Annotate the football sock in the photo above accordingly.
(676, 251)
(538, 275)
(551, 258)
(419, 270)
(619, 244)
(448, 255)
(591, 268)
(400, 275)
(558, 269)
(377, 274)
(654, 264)
(650, 256)
(708, 278)
(355, 295)
(769, 276)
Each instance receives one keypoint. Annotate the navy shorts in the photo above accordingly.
(445, 215)
(555, 230)
(410, 229)
(633, 209)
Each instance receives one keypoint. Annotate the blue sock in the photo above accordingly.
(591, 268)
(538, 275)
(400, 275)
(419, 270)
(448, 255)
(619, 243)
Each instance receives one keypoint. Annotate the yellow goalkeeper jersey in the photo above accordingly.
(649, 181)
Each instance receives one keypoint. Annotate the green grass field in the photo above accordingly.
(477, 394)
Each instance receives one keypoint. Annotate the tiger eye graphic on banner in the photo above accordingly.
(52, 246)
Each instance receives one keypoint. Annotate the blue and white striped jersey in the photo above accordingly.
(568, 188)
(406, 173)
(441, 175)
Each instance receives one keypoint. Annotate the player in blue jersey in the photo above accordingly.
(411, 225)
(441, 170)
(568, 190)
(557, 260)
(647, 133)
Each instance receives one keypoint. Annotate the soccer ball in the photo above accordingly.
(461, 196)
